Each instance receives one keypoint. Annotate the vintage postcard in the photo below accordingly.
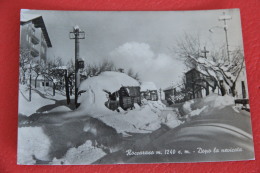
(110, 87)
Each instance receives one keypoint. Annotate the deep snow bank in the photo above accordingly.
(144, 119)
(82, 155)
(95, 96)
(32, 142)
(210, 102)
(28, 108)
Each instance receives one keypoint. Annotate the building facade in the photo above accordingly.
(34, 36)
(34, 43)
(149, 91)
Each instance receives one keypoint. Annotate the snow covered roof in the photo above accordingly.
(38, 22)
(148, 86)
(28, 17)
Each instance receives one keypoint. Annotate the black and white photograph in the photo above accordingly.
(124, 87)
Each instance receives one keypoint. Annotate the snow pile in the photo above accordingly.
(224, 101)
(27, 108)
(187, 106)
(144, 119)
(197, 111)
(32, 142)
(156, 107)
(210, 102)
(95, 96)
(48, 93)
(60, 109)
(84, 154)
(172, 120)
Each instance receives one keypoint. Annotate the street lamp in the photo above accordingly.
(77, 34)
(224, 18)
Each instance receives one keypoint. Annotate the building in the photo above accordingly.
(41, 81)
(34, 36)
(175, 94)
(168, 93)
(34, 42)
(197, 84)
(149, 91)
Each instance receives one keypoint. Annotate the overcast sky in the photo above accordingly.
(138, 40)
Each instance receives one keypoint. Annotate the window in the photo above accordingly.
(47, 83)
(42, 83)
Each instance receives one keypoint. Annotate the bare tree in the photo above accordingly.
(25, 61)
(39, 69)
(27, 65)
(215, 67)
(132, 74)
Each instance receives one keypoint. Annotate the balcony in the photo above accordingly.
(34, 39)
(34, 52)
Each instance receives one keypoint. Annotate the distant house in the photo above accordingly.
(41, 81)
(241, 95)
(175, 94)
(168, 93)
(241, 85)
(196, 84)
(149, 91)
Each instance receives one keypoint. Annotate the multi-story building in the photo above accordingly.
(35, 41)
(34, 36)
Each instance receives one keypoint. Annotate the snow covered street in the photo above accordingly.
(195, 140)
(50, 132)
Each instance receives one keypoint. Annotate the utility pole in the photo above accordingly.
(30, 81)
(77, 34)
(30, 71)
(160, 91)
(225, 18)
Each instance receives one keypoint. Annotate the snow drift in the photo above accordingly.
(32, 142)
(27, 108)
(207, 104)
(142, 119)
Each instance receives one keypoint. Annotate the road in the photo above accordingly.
(224, 130)
(195, 140)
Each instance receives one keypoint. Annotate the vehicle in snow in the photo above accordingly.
(125, 98)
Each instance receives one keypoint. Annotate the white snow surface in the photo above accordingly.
(187, 106)
(219, 101)
(27, 108)
(212, 101)
(144, 119)
(82, 155)
(60, 109)
(172, 120)
(32, 141)
(197, 111)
